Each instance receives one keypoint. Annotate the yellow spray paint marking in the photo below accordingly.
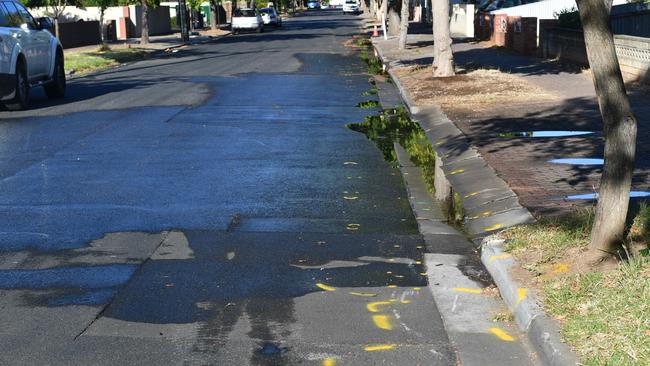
(325, 287)
(353, 227)
(405, 301)
(329, 361)
(500, 256)
(423, 273)
(351, 198)
(420, 247)
(493, 227)
(397, 246)
(350, 163)
(389, 272)
(382, 322)
(373, 307)
(380, 347)
(418, 262)
(472, 194)
(468, 290)
(416, 289)
(502, 334)
(561, 268)
(362, 294)
(482, 214)
(521, 294)
(391, 286)
(440, 142)
(457, 171)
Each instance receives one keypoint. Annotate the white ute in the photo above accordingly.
(30, 56)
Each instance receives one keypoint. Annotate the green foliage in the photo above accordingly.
(375, 67)
(569, 18)
(395, 126)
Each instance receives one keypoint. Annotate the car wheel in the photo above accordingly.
(56, 89)
(235, 31)
(21, 99)
(260, 29)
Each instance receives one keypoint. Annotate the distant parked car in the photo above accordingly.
(247, 19)
(30, 56)
(270, 16)
(313, 4)
(350, 6)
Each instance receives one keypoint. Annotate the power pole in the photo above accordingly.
(182, 9)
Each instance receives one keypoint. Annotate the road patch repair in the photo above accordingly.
(488, 205)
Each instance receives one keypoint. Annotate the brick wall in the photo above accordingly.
(524, 35)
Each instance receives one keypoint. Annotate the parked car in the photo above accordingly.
(247, 19)
(270, 16)
(30, 56)
(350, 6)
(312, 4)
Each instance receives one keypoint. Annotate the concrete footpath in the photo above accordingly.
(502, 180)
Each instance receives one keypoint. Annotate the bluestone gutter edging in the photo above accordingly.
(542, 332)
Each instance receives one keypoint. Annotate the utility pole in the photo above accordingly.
(182, 9)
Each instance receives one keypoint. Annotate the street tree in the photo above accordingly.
(403, 24)
(144, 19)
(443, 56)
(619, 129)
(194, 6)
(102, 5)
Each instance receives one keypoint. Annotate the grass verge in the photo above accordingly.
(86, 62)
(603, 312)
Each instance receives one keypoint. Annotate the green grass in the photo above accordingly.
(369, 104)
(606, 316)
(551, 236)
(85, 62)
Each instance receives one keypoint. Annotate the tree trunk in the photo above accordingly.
(383, 10)
(214, 24)
(56, 27)
(403, 24)
(252, 4)
(443, 56)
(619, 128)
(144, 36)
(102, 10)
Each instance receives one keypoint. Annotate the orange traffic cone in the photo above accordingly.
(375, 33)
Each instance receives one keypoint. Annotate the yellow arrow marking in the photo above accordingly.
(521, 294)
(380, 347)
(325, 287)
(391, 286)
(502, 334)
(493, 227)
(382, 322)
(561, 268)
(468, 290)
(500, 256)
(329, 361)
(353, 227)
(373, 307)
(362, 294)
(457, 171)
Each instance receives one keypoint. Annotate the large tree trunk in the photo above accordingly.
(213, 17)
(102, 10)
(383, 10)
(443, 56)
(144, 36)
(619, 128)
(403, 24)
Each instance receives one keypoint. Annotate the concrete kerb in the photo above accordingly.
(542, 332)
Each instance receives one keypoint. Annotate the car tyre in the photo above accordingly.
(56, 88)
(21, 99)
(235, 31)
(260, 30)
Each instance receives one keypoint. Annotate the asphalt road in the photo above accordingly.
(209, 207)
